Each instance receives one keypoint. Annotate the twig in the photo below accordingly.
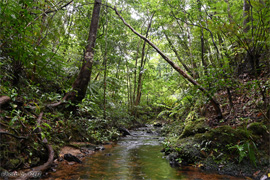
(13, 135)
(60, 7)
(46, 12)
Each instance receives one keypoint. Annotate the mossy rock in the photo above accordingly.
(225, 135)
(188, 150)
(213, 149)
(193, 127)
(258, 128)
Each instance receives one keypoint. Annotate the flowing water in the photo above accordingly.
(133, 157)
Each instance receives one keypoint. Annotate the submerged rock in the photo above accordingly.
(124, 131)
(157, 125)
(101, 148)
(71, 158)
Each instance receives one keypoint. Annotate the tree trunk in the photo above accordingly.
(105, 68)
(202, 39)
(177, 68)
(246, 16)
(228, 11)
(194, 66)
(252, 57)
(139, 88)
(129, 98)
(135, 75)
(80, 85)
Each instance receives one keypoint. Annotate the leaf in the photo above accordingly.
(47, 125)
(42, 135)
(251, 152)
(13, 120)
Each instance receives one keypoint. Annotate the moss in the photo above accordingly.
(13, 163)
(213, 147)
(215, 142)
(227, 135)
(258, 128)
(188, 150)
(203, 136)
(35, 161)
(193, 127)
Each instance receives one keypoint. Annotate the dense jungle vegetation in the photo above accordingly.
(85, 70)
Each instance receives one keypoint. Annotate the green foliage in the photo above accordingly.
(246, 149)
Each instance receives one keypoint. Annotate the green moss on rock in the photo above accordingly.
(224, 135)
(193, 127)
(217, 142)
(258, 128)
(187, 149)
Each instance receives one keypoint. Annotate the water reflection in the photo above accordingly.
(145, 162)
(135, 157)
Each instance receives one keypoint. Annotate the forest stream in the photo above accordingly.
(133, 157)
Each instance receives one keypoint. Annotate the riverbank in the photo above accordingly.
(235, 151)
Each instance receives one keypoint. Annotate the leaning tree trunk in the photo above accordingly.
(80, 85)
(176, 67)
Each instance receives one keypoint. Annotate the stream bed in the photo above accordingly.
(133, 157)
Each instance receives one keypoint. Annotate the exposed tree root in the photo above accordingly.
(54, 104)
(36, 171)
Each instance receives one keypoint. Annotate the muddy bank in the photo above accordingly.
(81, 150)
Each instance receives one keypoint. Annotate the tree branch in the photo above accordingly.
(62, 7)
(176, 53)
(176, 67)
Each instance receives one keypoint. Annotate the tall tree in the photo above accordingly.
(143, 59)
(105, 66)
(80, 85)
